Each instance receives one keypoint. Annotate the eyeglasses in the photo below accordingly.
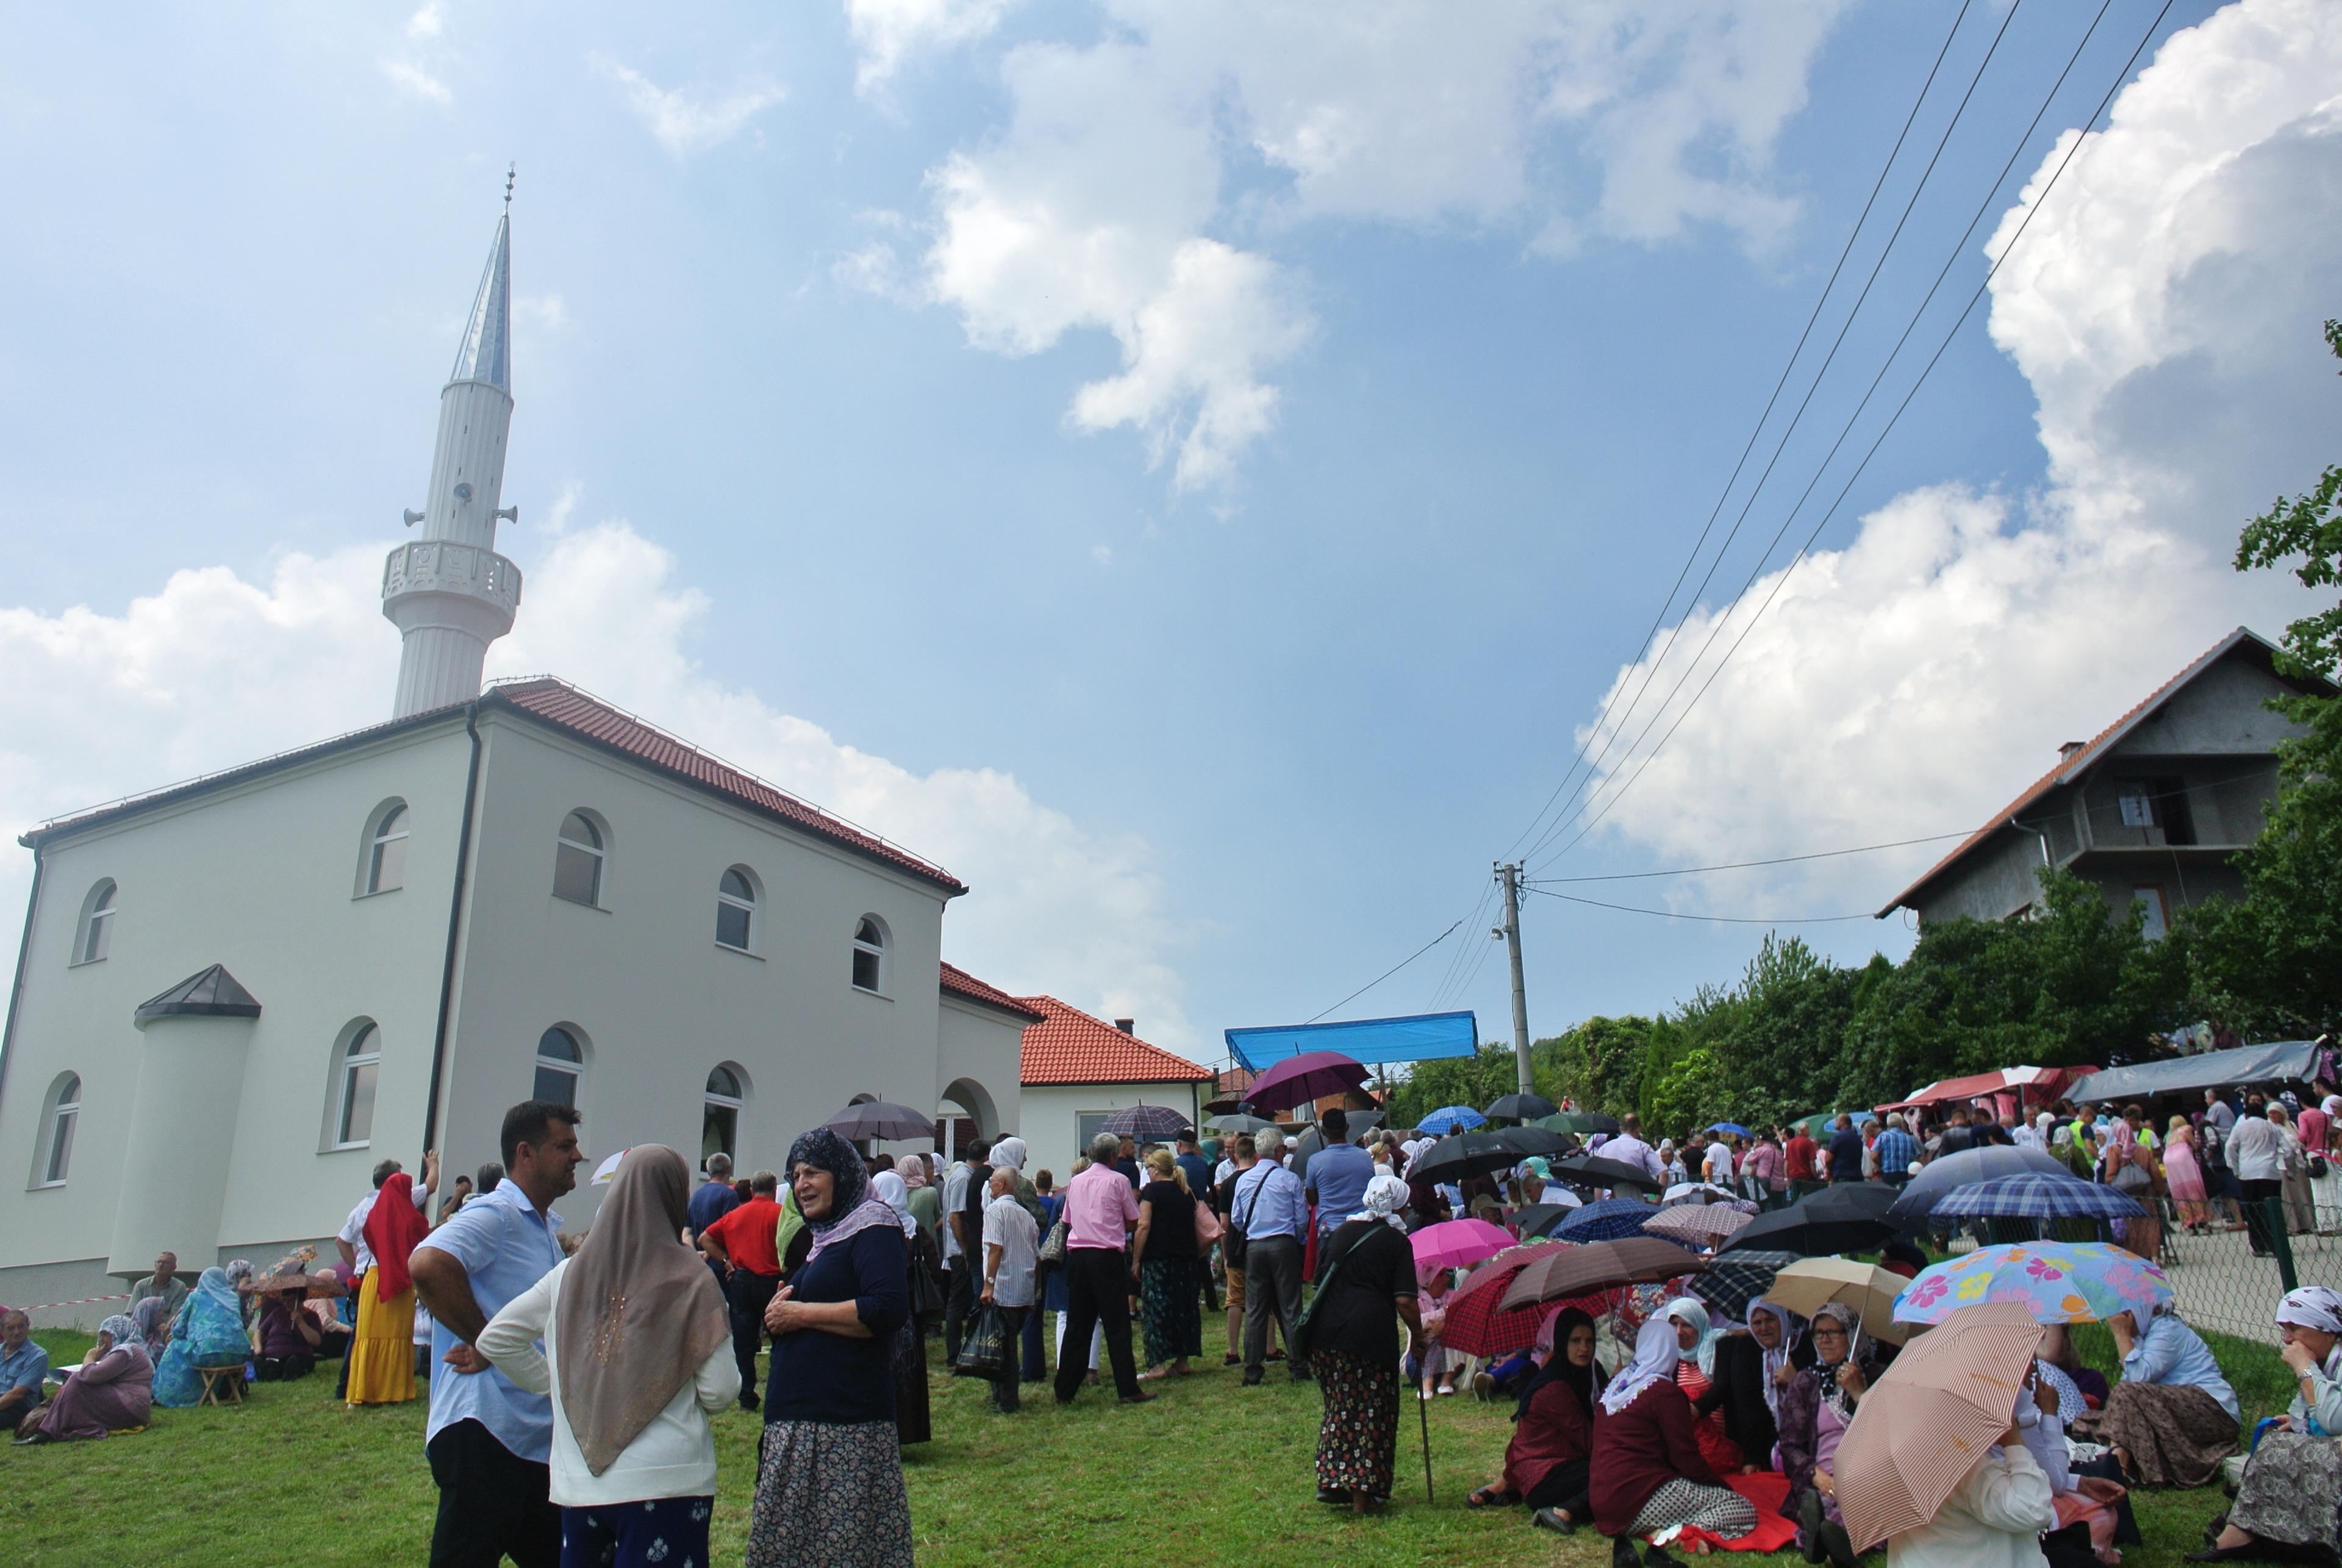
(1830, 1333)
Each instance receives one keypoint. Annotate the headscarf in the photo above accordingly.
(238, 1270)
(791, 1222)
(889, 1187)
(394, 1228)
(152, 1326)
(1386, 1196)
(1010, 1151)
(1585, 1382)
(912, 1169)
(1655, 1361)
(1825, 1374)
(212, 1286)
(1535, 1165)
(1691, 1310)
(1793, 1328)
(2312, 1307)
(638, 1311)
(851, 1209)
(127, 1335)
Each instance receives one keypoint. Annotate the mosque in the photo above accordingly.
(234, 996)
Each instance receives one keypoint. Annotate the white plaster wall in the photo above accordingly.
(983, 1046)
(259, 877)
(1052, 1113)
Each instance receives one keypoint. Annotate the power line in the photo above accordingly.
(1386, 974)
(1720, 919)
(1893, 419)
(1758, 429)
(1745, 864)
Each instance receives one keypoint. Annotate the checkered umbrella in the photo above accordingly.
(1605, 1221)
(1476, 1325)
(2038, 1195)
(1735, 1279)
(1698, 1224)
(1147, 1121)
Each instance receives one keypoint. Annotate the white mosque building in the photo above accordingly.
(234, 996)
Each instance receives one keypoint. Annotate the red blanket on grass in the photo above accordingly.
(1768, 1489)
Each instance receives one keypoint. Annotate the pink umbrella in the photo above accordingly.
(1458, 1243)
(1298, 1080)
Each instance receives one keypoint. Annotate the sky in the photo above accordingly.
(1209, 474)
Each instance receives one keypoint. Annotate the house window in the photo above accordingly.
(2158, 921)
(97, 931)
(577, 861)
(354, 1088)
(736, 909)
(719, 1121)
(560, 1064)
(386, 851)
(64, 1113)
(870, 955)
(2138, 805)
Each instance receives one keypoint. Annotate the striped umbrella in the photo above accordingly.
(1695, 1224)
(1949, 1394)
(1737, 1278)
(1605, 1221)
(2038, 1195)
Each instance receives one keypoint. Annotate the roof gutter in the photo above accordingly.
(454, 926)
(23, 950)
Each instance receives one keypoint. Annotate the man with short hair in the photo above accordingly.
(23, 1366)
(489, 1175)
(710, 1202)
(166, 1283)
(2255, 1151)
(1191, 1160)
(1125, 1160)
(742, 1245)
(1337, 1175)
(1897, 1150)
(455, 1199)
(1626, 1147)
(1100, 1213)
(1716, 1167)
(1269, 1208)
(1844, 1151)
(1957, 1134)
(490, 1442)
(964, 1203)
(1799, 1157)
(1011, 1251)
(954, 1182)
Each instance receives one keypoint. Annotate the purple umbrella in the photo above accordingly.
(1299, 1080)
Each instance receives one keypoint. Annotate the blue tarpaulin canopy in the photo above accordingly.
(1370, 1040)
(2266, 1063)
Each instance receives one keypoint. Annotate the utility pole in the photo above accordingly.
(1511, 875)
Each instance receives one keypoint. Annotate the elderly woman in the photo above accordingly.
(1647, 1472)
(829, 1479)
(2173, 1417)
(209, 1332)
(1164, 1247)
(111, 1390)
(1818, 1404)
(152, 1316)
(289, 1337)
(2292, 1491)
(1753, 1369)
(637, 1357)
(1365, 1286)
(1697, 1338)
(1548, 1461)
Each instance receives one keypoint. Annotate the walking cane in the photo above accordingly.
(1423, 1414)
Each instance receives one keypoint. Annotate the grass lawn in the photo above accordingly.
(295, 1478)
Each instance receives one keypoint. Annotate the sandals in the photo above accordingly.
(1488, 1497)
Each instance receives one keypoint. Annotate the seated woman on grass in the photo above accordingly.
(1754, 1367)
(1648, 1471)
(109, 1391)
(209, 1332)
(290, 1338)
(2292, 1487)
(1547, 1461)
(2173, 1417)
(1816, 1407)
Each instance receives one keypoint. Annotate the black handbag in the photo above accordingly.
(926, 1282)
(987, 1352)
(1234, 1242)
(1297, 1336)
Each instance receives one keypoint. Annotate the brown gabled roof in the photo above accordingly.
(1069, 1046)
(958, 982)
(561, 706)
(2070, 769)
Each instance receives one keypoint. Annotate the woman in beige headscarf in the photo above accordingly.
(638, 1353)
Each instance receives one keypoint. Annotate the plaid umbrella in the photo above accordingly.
(1606, 1221)
(1735, 1279)
(2038, 1195)
(1449, 1119)
(1578, 1271)
(1478, 1324)
(1147, 1121)
(1940, 1175)
(1695, 1224)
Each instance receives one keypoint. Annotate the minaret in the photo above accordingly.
(448, 591)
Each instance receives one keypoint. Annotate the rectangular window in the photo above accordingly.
(865, 970)
(357, 1102)
(719, 1131)
(2151, 900)
(554, 1085)
(732, 925)
(576, 874)
(2171, 811)
(2138, 806)
(389, 868)
(1089, 1125)
(61, 1139)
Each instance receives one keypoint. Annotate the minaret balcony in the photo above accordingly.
(440, 566)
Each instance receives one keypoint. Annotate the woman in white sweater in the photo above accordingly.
(638, 1353)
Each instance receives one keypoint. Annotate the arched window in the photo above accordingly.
(719, 1121)
(577, 861)
(65, 1113)
(354, 1086)
(736, 909)
(97, 931)
(387, 851)
(560, 1064)
(869, 955)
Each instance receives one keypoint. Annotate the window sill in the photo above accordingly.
(596, 908)
(377, 892)
(45, 1187)
(345, 1148)
(738, 952)
(85, 962)
(873, 995)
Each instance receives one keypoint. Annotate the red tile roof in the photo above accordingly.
(958, 982)
(1069, 1046)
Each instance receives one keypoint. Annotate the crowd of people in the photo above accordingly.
(573, 1377)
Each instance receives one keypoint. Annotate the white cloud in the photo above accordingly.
(212, 670)
(1116, 196)
(429, 22)
(685, 123)
(889, 32)
(1102, 553)
(415, 79)
(2165, 305)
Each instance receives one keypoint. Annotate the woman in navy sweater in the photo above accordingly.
(829, 1478)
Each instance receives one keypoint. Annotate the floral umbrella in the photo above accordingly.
(2056, 1281)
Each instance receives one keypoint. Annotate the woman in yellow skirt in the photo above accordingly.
(381, 1354)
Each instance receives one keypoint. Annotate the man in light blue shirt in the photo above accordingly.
(23, 1366)
(1339, 1173)
(1268, 1207)
(489, 1441)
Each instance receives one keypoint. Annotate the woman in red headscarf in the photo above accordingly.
(381, 1355)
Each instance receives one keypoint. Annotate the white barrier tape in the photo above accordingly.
(84, 1301)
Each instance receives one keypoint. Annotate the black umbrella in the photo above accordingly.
(1462, 1154)
(878, 1119)
(1521, 1108)
(1580, 1122)
(1941, 1175)
(1528, 1141)
(1538, 1218)
(1843, 1217)
(1593, 1171)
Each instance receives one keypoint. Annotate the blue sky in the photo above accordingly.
(1194, 470)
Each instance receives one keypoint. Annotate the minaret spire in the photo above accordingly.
(448, 591)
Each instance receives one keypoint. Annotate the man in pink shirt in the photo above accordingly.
(1101, 1211)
